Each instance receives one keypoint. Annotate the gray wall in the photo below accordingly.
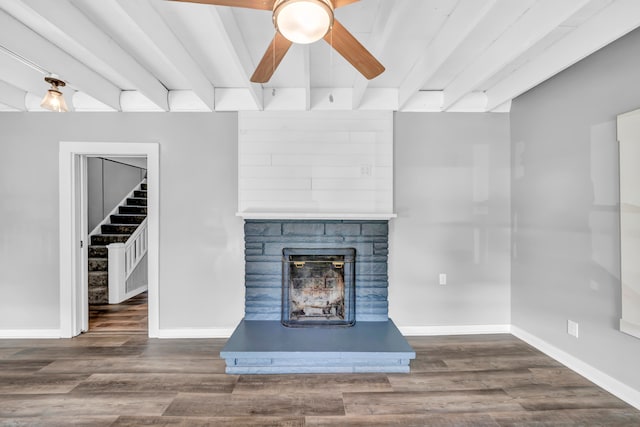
(201, 240)
(565, 208)
(108, 181)
(452, 197)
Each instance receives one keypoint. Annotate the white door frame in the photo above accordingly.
(72, 163)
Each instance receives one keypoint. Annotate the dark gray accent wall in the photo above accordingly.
(265, 240)
(565, 208)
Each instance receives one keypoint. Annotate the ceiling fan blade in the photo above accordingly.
(340, 3)
(351, 49)
(271, 59)
(250, 4)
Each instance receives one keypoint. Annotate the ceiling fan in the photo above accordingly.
(305, 21)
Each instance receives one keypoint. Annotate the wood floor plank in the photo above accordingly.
(425, 402)
(401, 420)
(313, 383)
(160, 382)
(268, 404)
(22, 367)
(579, 417)
(39, 384)
(73, 421)
(40, 353)
(460, 380)
(256, 421)
(70, 405)
(481, 363)
(136, 365)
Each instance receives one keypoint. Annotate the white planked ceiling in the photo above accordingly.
(157, 55)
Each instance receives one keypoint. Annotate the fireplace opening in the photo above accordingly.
(318, 287)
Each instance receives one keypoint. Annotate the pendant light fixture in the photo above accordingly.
(54, 100)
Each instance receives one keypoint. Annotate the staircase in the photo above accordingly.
(119, 228)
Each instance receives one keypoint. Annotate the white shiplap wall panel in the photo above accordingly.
(315, 162)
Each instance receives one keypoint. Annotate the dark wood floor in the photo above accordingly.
(127, 379)
(130, 316)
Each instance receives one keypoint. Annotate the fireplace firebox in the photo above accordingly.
(318, 287)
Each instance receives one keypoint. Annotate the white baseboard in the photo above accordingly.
(29, 333)
(195, 333)
(454, 330)
(612, 385)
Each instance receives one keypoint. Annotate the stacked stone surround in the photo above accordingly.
(265, 239)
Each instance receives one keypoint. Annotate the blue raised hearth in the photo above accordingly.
(262, 345)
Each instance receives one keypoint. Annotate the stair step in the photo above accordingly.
(143, 186)
(98, 294)
(127, 219)
(137, 201)
(98, 278)
(98, 264)
(118, 228)
(106, 239)
(132, 210)
(98, 251)
(140, 193)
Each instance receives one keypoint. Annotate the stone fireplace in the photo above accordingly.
(316, 300)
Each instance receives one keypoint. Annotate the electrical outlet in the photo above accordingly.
(443, 278)
(572, 328)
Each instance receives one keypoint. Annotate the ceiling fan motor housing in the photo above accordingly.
(303, 21)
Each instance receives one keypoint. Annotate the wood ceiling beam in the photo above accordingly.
(12, 96)
(23, 41)
(65, 25)
(147, 15)
(534, 23)
(616, 20)
(466, 16)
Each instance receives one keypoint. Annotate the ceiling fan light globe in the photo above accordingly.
(303, 21)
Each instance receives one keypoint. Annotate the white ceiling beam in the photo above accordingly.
(12, 96)
(23, 41)
(21, 75)
(616, 20)
(307, 76)
(65, 25)
(534, 24)
(147, 16)
(466, 15)
(224, 19)
(388, 16)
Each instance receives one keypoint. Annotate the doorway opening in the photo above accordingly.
(74, 238)
(117, 244)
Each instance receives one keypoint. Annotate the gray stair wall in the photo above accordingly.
(108, 182)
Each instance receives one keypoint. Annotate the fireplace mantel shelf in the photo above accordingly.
(316, 215)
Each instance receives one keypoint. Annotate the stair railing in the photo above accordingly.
(123, 259)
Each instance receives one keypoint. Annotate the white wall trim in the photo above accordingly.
(612, 385)
(454, 330)
(69, 151)
(29, 333)
(195, 333)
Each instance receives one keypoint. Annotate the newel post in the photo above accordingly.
(117, 273)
